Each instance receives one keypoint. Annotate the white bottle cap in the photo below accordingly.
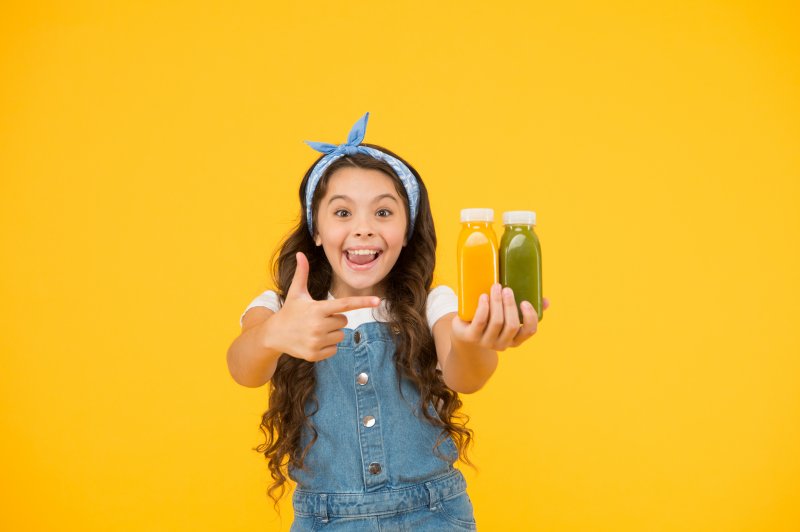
(519, 218)
(477, 215)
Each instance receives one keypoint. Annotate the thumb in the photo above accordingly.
(299, 286)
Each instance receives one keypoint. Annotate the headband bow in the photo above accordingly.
(351, 147)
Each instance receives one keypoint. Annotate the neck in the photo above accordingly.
(339, 292)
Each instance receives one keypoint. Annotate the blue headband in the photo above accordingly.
(351, 147)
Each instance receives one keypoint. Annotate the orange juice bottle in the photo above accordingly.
(477, 259)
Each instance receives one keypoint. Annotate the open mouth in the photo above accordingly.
(361, 259)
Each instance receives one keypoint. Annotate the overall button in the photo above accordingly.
(395, 329)
(375, 468)
(362, 378)
(356, 337)
(369, 421)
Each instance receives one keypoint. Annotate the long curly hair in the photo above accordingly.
(291, 389)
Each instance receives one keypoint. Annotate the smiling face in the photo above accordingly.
(361, 224)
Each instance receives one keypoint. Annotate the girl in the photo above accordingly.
(365, 361)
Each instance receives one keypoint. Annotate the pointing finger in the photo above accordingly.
(336, 306)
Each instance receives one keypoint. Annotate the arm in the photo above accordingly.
(465, 367)
(250, 362)
(301, 328)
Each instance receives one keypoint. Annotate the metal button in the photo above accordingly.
(395, 329)
(375, 468)
(356, 337)
(362, 378)
(369, 421)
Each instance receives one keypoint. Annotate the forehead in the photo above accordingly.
(360, 183)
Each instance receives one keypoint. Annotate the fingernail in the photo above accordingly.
(508, 293)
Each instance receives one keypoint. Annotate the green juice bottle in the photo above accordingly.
(521, 259)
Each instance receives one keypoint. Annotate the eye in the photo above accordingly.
(338, 213)
(386, 212)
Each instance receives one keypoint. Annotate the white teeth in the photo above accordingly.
(363, 251)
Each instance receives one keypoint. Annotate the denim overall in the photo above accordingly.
(373, 465)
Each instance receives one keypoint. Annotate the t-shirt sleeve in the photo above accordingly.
(441, 300)
(269, 299)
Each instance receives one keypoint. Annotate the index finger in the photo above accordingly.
(336, 306)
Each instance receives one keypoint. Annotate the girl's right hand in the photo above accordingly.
(309, 329)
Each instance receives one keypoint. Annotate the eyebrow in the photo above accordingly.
(376, 200)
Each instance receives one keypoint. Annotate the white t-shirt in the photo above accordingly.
(441, 300)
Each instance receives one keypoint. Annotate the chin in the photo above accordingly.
(361, 284)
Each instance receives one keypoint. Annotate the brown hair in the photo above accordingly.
(406, 291)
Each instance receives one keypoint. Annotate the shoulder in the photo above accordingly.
(269, 299)
(442, 300)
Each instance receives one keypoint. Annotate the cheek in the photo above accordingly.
(400, 235)
(397, 244)
(332, 249)
(329, 236)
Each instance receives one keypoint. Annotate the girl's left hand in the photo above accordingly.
(496, 323)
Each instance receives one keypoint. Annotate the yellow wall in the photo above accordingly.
(150, 157)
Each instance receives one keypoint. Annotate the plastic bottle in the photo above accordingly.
(521, 259)
(477, 259)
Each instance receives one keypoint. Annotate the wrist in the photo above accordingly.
(269, 336)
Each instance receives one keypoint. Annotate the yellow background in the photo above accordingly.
(150, 154)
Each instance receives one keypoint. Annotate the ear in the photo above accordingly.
(317, 239)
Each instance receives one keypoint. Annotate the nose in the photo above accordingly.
(363, 226)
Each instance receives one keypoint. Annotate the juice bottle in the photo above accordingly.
(521, 259)
(477, 259)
